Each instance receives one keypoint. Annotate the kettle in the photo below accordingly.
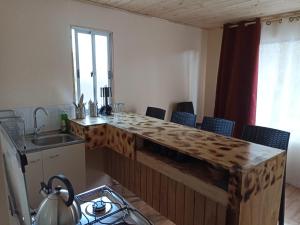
(59, 206)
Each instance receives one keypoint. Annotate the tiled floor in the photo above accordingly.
(93, 158)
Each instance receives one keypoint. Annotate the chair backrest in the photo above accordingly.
(218, 126)
(156, 112)
(185, 107)
(184, 118)
(266, 136)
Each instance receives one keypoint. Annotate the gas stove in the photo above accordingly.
(102, 205)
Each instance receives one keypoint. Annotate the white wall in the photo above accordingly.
(155, 62)
(214, 42)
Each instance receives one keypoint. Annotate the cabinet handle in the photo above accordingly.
(34, 161)
(53, 156)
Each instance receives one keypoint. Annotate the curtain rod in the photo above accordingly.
(275, 18)
(278, 18)
(246, 23)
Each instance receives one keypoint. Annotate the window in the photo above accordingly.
(279, 86)
(92, 62)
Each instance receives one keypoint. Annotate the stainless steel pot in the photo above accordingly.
(59, 207)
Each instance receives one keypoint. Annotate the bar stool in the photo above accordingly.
(156, 112)
(184, 118)
(218, 126)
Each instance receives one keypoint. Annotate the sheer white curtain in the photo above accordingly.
(278, 101)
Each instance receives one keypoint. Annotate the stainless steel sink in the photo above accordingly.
(53, 139)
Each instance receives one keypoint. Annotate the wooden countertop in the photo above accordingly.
(220, 151)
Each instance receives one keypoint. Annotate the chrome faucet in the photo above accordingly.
(36, 129)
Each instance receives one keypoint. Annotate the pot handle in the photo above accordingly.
(68, 185)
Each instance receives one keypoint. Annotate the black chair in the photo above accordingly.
(218, 126)
(272, 138)
(184, 118)
(156, 112)
(185, 107)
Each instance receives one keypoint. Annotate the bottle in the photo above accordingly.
(64, 122)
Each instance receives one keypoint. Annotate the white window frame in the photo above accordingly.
(76, 73)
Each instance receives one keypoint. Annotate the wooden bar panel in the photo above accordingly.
(221, 215)
(210, 212)
(105, 161)
(131, 175)
(143, 182)
(189, 203)
(171, 199)
(163, 195)
(179, 219)
(126, 172)
(176, 201)
(118, 167)
(113, 166)
(122, 169)
(108, 161)
(149, 186)
(186, 175)
(137, 179)
(156, 190)
(147, 211)
(199, 210)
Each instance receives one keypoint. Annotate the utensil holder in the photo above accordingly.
(80, 113)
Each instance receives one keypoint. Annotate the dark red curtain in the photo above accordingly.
(238, 74)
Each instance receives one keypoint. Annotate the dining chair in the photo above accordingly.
(272, 138)
(184, 118)
(156, 112)
(185, 107)
(218, 126)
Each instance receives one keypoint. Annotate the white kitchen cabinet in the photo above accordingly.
(34, 176)
(68, 160)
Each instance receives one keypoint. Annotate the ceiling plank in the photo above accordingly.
(203, 13)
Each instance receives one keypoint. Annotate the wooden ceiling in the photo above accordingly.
(203, 13)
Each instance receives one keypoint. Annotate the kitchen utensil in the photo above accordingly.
(80, 103)
(105, 92)
(80, 112)
(59, 206)
(93, 108)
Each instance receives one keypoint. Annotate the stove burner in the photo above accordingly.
(104, 206)
(98, 206)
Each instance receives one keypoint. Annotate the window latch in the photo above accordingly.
(92, 74)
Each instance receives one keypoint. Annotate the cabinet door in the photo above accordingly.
(34, 176)
(67, 160)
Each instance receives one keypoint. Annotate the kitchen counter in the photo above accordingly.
(228, 153)
(243, 177)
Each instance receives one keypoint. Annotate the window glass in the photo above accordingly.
(91, 59)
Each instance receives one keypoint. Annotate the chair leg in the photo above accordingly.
(282, 204)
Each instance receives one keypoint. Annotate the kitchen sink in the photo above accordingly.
(53, 139)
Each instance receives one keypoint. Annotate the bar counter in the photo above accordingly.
(226, 181)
